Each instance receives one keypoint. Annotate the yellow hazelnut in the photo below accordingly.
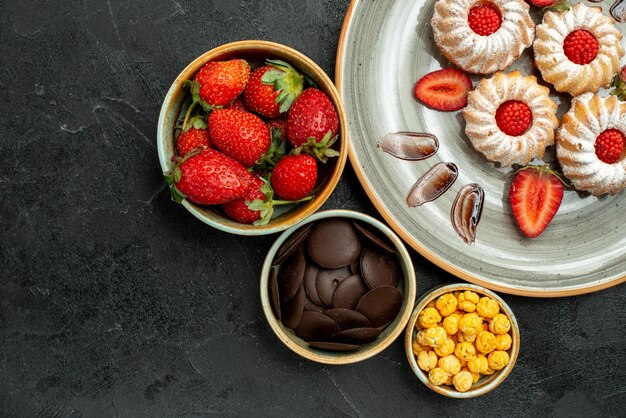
(429, 318)
(463, 338)
(431, 304)
(499, 324)
(463, 381)
(437, 376)
(446, 348)
(450, 364)
(451, 324)
(465, 351)
(433, 337)
(469, 324)
(478, 364)
(475, 376)
(427, 360)
(469, 296)
(449, 382)
(486, 342)
(498, 359)
(446, 304)
(503, 342)
(418, 348)
(467, 306)
(487, 307)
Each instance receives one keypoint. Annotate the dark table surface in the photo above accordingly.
(114, 301)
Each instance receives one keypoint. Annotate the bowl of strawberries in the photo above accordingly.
(252, 137)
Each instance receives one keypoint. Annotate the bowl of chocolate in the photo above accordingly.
(338, 288)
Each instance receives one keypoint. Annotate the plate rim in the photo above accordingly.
(594, 286)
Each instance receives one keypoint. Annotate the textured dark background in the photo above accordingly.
(114, 301)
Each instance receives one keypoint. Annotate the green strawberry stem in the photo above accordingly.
(291, 202)
(188, 115)
(286, 81)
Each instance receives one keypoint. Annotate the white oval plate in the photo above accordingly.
(385, 47)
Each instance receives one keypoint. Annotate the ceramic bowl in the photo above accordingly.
(486, 383)
(255, 51)
(391, 332)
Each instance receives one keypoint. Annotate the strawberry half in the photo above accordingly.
(535, 197)
(444, 89)
(240, 135)
(208, 178)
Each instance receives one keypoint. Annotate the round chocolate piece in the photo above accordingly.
(291, 244)
(273, 293)
(290, 276)
(373, 238)
(380, 269)
(291, 311)
(349, 292)
(323, 345)
(333, 243)
(327, 281)
(310, 306)
(315, 326)
(355, 267)
(347, 318)
(380, 305)
(310, 283)
(357, 335)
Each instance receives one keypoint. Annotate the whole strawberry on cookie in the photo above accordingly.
(208, 178)
(272, 89)
(535, 197)
(240, 135)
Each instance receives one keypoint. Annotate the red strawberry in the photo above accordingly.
(280, 125)
(514, 117)
(238, 209)
(542, 3)
(444, 89)
(272, 89)
(209, 178)
(294, 176)
(193, 136)
(581, 47)
(222, 81)
(312, 115)
(535, 197)
(558, 5)
(484, 19)
(240, 135)
(610, 145)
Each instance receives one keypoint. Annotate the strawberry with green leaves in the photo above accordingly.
(240, 135)
(208, 178)
(535, 197)
(257, 206)
(294, 176)
(195, 135)
(312, 115)
(272, 89)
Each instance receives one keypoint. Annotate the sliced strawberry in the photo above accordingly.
(535, 197)
(444, 89)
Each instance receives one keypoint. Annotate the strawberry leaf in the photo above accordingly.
(619, 87)
(275, 152)
(171, 178)
(286, 81)
(559, 6)
(321, 150)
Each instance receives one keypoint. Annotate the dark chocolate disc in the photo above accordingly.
(355, 267)
(357, 335)
(380, 269)
(315, 326)
(273, 293)
(333, 243)
(291, 311)
(309, 305)
(323, 345)
(373, 238)
(347, 318)
(291, 244)
(380, 305)
(290, 275)
(327, 281)
(349, 292)
(310, 282)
